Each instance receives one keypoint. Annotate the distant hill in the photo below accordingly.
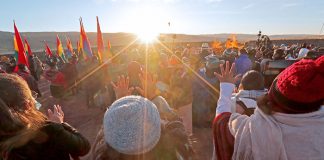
(36, 39)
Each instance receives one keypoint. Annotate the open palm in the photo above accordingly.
(149, 85)
(121, 87)
(228, 74)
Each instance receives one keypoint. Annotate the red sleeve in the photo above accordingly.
(60, 79)
(223, 139)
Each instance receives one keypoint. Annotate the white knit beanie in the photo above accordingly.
(132, 125)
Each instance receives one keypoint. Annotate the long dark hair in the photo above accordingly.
(19, 119)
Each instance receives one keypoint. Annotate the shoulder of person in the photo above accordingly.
(175, 140)
(54, 128)
(50, 126)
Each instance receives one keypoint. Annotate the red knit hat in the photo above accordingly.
(299, 88)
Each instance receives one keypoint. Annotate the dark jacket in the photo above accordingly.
(54, 142)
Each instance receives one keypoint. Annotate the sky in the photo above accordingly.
(185, 16)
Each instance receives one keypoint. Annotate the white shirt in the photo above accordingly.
(302, 53)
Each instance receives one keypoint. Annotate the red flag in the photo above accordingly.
(28, 47)
(48, 50)
(100, 43)
(109, 45)
(21, 50)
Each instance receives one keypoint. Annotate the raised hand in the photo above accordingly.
(148, 89)
(121, 87)
(227, 74)
(57, 115)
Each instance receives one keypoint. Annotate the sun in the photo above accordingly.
(147, 36)
(147, 23)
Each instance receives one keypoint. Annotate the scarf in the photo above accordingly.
(252, 94)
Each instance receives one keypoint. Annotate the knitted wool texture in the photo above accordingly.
(132, 125)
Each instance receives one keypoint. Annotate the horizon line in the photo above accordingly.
(276, 34)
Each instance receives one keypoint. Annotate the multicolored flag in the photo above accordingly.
(100, 44)
(27, 48)
(20, 47)
(84, 42)
(59, 49)
(48, 50)
(69, 47)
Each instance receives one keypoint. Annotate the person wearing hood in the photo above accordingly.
(289, 120)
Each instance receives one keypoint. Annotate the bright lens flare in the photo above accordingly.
(147, 37)
(147, 23)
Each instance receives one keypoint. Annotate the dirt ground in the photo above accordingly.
(89, 120)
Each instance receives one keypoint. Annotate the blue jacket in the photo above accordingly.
(243, 64)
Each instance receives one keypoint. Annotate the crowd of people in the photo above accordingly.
(251, 116)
